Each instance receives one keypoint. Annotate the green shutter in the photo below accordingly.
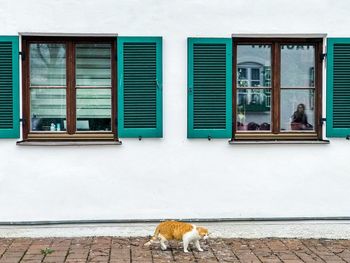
(209, 88)
(338, 87)
(9, 87)
(140, 87)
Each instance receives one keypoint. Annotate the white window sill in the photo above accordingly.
(278, 142)
(67, 143)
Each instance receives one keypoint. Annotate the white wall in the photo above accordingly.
(174, 176)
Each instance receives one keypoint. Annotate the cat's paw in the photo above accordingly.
(186, 251)
(200, 250)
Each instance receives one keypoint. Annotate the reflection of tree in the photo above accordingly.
(53, 51)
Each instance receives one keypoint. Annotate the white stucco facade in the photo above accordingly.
(174, 177)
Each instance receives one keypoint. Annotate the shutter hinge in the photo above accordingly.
(22, 120)
(323, 56)
(23, 55)
(348, 137)
(322, 120)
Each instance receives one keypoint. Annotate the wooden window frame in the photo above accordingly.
(275, 133)
(71, 133)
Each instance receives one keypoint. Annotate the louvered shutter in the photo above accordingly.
(209, 88)
(338, 87)
(9, 87)
(140, 87)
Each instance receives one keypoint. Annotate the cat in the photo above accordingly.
(173, 230)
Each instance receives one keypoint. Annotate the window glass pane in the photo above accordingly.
(254, 64)
(297, 109)
(297, 66)
(48, 109)
(94, 107)
(242, 73)
(256, 73)
(254, 109)
(253, 88)
(93, 65)
(47, 65)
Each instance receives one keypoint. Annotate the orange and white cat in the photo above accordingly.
(173, 230)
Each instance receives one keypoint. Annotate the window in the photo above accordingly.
(277, 88)
(68, 88)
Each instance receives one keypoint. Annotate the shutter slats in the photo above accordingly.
(204, 61)
(137, 58)
(338, 87)
(140, 101)
(9, 105)
(210, 92)
(6, 84)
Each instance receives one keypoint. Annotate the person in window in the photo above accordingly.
(299, 119)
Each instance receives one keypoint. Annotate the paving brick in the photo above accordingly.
(54, 259)
(222, 251)
(132, 250)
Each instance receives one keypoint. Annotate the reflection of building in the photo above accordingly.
(254, 75)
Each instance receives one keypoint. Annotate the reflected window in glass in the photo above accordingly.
(253, 112)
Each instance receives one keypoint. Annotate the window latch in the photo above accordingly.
(323, 56)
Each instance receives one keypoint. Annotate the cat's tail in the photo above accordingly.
(153, 238)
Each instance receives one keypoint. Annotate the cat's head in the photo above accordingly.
(203, 232)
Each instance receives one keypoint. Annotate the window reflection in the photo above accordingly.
(47, 64)
(297, 66)
(94, 80)
(94, 107)
(297, 109)
(48, 109)
(297, 87)
(47, 87)
(253, 88)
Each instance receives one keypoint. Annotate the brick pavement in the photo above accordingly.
(131, 250)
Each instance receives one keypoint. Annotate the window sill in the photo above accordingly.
(279, 142)
(67, 143)
(70, 137)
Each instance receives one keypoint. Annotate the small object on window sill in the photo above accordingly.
(67, 143)
(52, 127)
(278, 142)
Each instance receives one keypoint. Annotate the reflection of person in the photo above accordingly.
(299, 119)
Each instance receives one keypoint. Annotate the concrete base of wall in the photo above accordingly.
(290, 229)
